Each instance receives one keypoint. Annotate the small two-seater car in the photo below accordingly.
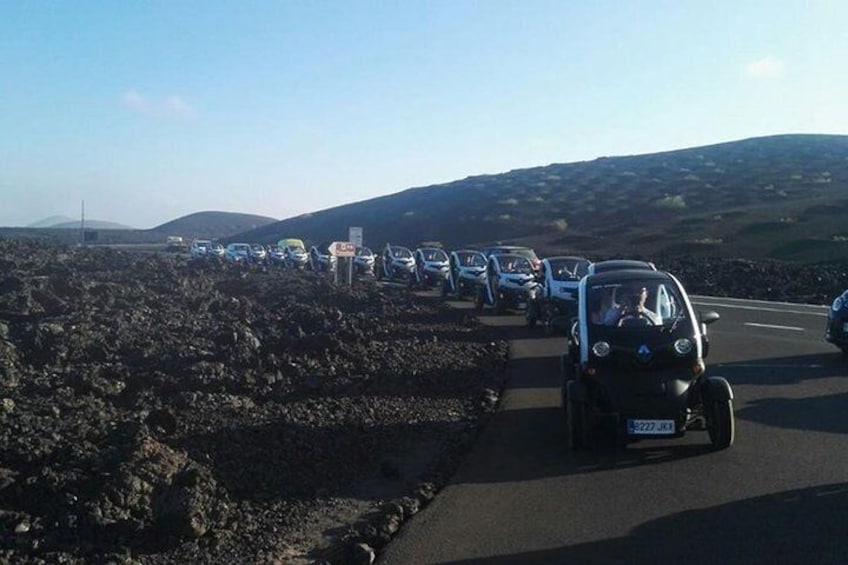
(320, 258)
(527, 252)
(294, 254)
(431, 266)
(635, 363)
(556, 295)
(836, 330)
(509, 283)
(396, 264)
(237, 252)
(466, 272)
(364, 260)
(200, 249)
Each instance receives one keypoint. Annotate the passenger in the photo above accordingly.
(607, 313)
(635, 313)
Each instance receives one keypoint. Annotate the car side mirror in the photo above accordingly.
(709, 316)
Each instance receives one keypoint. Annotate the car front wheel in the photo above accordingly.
(721, 424)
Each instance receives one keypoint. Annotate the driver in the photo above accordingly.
(634, 312)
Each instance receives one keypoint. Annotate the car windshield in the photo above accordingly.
(401, 253)
(523, 251)
(364, 251)
(471, 259)
(569, 269)
(434, 255)
(635, 303)
(516, 264)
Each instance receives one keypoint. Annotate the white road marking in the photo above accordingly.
(771, 366)
(700, 296)
(761, 309)
(774, 327)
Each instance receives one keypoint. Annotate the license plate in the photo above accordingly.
(522, 305)
(650, 427)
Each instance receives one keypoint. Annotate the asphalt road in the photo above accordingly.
(779, 495)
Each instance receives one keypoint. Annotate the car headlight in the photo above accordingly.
(838, 303)
(601, 349)
(682, 346)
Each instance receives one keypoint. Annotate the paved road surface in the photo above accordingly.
(779, 495)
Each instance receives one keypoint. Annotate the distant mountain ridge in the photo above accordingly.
(207, 225)
(91, 225)
(779, 197)
(213, 224)
(50, 222)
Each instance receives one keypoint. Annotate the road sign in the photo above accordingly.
(354, 235)
(343, 249)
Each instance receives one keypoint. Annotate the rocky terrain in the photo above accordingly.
(158, 410)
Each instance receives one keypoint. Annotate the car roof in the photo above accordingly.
(615, 264)
(506, 248)
(625, 276)
(504, 256)
(566, 258)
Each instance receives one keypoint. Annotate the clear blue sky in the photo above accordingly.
(151, 110)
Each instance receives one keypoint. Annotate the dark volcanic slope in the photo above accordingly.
(782, 197)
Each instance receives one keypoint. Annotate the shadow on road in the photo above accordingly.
(815, 413)
(782, 370)
(796, 526)
(529, 444)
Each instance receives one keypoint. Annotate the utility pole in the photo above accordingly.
(82, 225)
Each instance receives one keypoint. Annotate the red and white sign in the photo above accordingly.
(343, 249)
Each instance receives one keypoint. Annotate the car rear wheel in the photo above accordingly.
(479, 299)
(721, 424)
(531, 313)
(575, 416)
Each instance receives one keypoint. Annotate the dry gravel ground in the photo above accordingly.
(158, 410)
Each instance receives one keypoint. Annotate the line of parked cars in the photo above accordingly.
(634, 366)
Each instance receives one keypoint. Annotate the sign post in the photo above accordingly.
(345, 249)
(354, 235)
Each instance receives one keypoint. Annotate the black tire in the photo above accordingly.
(479, 299)
(497, 300)
(460, 289)
(499, 305)
(575, 417)
(531, 313)
(721, 424)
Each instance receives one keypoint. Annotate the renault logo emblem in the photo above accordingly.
(643, 353)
